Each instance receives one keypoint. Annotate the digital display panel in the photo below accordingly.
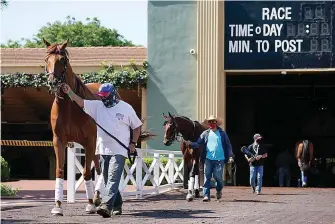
(278, 34)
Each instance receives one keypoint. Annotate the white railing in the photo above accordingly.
(155, 173)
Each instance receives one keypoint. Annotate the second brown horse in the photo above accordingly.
(190, 131)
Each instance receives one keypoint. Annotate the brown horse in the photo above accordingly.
(190, 131)
(69, 123)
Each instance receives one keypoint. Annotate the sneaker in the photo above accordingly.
(304, 184)
(258, 192)
(117, 210)
(253, 189)
(206, 199)
(104, 211)
(91, 209)
(57, 211)
(219, 195)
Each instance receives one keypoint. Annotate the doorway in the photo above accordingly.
(284, 109)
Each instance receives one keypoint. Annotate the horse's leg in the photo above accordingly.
(89, 186)
(189, 196)
(196, 178)
(99, 186)
(59, 147)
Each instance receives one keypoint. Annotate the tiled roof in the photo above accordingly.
(79, 56)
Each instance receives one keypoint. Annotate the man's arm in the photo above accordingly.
(198, 143)
(74, 97)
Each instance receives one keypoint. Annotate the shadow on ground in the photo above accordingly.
(8, 208)
(8, 221)
(256, 201)
(177, 214)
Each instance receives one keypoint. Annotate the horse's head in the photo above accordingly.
(170, 129)
(56, 63)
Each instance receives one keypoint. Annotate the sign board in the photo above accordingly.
(278, 35)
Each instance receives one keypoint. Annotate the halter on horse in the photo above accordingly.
(190, 131)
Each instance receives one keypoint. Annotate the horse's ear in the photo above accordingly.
(164, 116)
(170, 115)
(47, 44)
(64, 45)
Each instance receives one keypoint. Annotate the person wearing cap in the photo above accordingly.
(257, 163)
(217, 151)
(117, 117)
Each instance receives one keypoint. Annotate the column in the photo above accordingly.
(211, 90)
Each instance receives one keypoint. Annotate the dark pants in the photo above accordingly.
(284, 176)
(112, 168)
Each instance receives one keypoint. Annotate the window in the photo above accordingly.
(325, 29)
(314, 29)
(301, 29)
(325, 45)
(319, 12)
(308, 13)
(314, 45)
(290, 30)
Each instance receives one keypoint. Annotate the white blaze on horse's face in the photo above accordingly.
(54, 69)
(168, 132)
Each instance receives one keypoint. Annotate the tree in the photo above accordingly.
(12, 44)
(79, 34)
(3, 4)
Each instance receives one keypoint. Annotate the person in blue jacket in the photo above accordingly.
(217, 151)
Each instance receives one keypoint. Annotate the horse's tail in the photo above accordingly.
(146, 135)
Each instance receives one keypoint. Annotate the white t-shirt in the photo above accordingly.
(116, 120)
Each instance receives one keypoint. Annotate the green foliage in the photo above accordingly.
(12, 44)
(80, 34)
(148, 162)
(128, 78)
(4, 169)
(3, 4)
(7, 190)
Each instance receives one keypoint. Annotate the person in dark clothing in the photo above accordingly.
(284, 162)
(305, 150)
(257, 163)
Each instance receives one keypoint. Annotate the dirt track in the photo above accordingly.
(239, 205)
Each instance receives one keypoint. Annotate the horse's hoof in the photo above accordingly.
(57, 211)
(197, 194)
(189, 197)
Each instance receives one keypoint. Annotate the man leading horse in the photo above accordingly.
(217, 152)
(117, 117)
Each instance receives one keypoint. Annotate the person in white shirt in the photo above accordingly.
(118, 118)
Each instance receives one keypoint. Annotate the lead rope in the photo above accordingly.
(109, 134)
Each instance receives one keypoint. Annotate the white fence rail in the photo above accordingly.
(138, 174)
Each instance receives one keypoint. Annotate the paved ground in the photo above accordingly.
(276, 205)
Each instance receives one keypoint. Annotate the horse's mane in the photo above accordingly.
(203, 124)
(82, 90)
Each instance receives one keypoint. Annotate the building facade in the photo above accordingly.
(262, 66)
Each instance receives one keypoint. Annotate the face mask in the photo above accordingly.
(109, 101)
(212, 126)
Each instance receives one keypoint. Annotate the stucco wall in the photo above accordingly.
(172, 32)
